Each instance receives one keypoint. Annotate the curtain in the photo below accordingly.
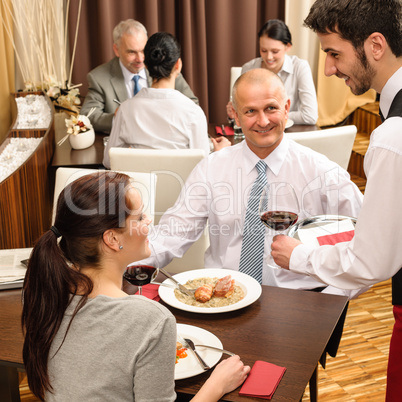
(214, 35)
(6, 72)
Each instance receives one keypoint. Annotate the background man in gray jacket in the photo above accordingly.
(115, 79)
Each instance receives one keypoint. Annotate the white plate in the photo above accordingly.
(189, 366)
(251, 288)
(289, 123)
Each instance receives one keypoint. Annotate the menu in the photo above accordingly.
(12, 271)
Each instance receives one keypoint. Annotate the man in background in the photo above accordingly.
(122, 77)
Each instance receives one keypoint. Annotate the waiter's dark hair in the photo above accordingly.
(86, 208)
(161, 54)
(356, 20)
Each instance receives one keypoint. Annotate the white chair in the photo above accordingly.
(336, 143)
(172, 167)
(235, 73)
(145, 183)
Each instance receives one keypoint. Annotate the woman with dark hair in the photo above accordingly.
(86, 339)
(275, 41)
(161, 117)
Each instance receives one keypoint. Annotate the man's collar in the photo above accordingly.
(128, 75)
(274, 160)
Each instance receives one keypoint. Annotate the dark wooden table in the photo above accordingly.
(286, 327)
(65, 156)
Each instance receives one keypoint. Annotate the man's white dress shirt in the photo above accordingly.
(128, 80)
(216, 193)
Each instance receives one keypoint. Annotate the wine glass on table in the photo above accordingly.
(140, 274)
(278, 210)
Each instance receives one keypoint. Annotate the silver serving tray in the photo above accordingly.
(318, 220)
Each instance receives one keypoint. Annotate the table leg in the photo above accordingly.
(313, 386)
(9, 384)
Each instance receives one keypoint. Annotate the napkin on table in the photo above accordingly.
(150, 291)
(228, 130)
(263, 380)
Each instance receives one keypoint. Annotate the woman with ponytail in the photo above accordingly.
(86, 339)
(161, 117)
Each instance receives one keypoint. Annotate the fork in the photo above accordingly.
(182, 288)
(169, 285)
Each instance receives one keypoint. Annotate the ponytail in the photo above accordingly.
(86, 208)
(48, 286)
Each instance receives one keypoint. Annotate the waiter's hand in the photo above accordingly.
(282, 247)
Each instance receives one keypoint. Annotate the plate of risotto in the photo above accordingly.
(215, 290)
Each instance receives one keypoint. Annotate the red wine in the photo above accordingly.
(278, 220)
(139, 275)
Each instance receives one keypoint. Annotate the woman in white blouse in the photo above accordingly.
(275, 41)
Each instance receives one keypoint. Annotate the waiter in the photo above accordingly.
(363, 43)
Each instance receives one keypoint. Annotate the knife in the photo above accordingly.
(217, 349)
(179, 285)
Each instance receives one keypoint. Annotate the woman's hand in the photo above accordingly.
(220, 142)
(227, 376)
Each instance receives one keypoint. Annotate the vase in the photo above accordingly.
(82, 140)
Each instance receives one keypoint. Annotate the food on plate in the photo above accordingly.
(228, 292)
(224, 287)
(204, 293)
(181, 352)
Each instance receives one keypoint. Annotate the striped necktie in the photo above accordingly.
(252, 247)
(136, 85)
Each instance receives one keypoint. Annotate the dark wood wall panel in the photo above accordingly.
(25, 199)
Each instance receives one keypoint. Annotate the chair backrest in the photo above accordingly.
(172, 167)
(235, 73)
(336, 143)
(145, 183)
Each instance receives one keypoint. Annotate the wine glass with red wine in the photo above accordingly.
(278, 209)
(141, 274)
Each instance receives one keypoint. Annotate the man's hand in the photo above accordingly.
(282, 247)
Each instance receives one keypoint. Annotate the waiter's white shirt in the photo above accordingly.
(217, 192)
(375, 253)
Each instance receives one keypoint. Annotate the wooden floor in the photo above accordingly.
(358, 372)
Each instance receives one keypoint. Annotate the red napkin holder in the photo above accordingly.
(263, 380)
(335, 238)
(228, 130)
(150, 291)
